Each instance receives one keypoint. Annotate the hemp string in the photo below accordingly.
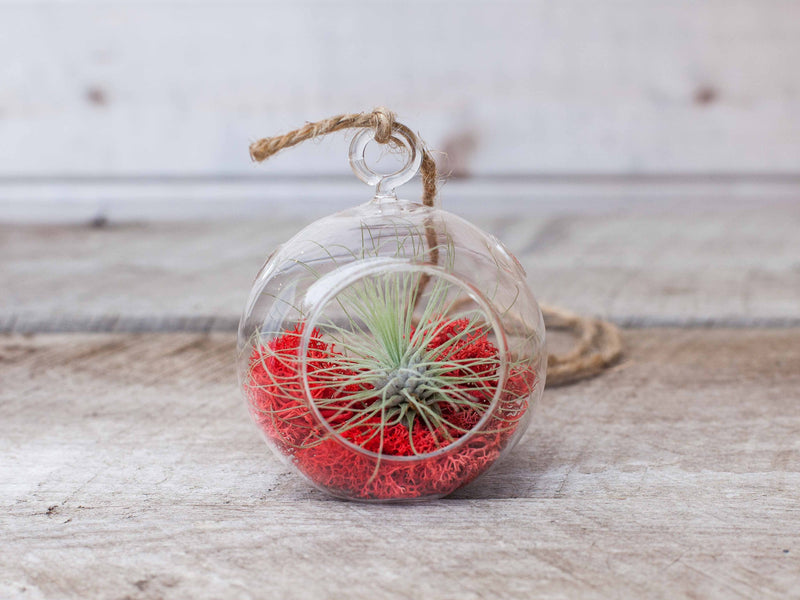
(599, 343)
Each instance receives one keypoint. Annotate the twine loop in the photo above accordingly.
(599, 342)
(381, 120)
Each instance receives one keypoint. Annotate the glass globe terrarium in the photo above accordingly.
(391, 351)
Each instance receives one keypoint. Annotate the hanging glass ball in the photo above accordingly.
(391, 351)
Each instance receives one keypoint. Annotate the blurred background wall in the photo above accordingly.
(126, 109)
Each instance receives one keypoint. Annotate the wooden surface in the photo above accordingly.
(130, 470)
(518, 86)
(532, 102)
(735, 267)
(267, 196)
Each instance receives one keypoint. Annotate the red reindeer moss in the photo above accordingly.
(277, 400)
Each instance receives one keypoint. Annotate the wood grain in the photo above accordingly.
(501, 87)
(724, 267)
(267, 194)
(128, 469)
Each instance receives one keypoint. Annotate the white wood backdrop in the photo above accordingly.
(121, 92)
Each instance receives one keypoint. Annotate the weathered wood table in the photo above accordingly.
(129, 468)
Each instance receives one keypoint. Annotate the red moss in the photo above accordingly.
(277, 403)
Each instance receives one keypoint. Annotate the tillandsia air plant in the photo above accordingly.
(395, 379)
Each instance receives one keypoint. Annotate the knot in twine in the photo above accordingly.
(599, 343)
(384, 124)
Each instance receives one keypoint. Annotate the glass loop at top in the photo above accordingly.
(385, 184)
